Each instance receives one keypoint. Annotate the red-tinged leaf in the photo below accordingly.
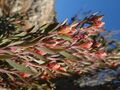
(74, 25)
(14, 48)
(97, 44)
(64, 30)
(95, 18)
(40, 52)
(24, 75)
(72, 32)
(2, 51)
(63, 69)
(98, 24)
(86, 45)
(54, 66)
(101, 54)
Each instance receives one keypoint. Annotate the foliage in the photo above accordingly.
(30, 58)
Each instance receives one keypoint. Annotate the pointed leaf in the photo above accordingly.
(5, 56)
(21, 34)
(19, 67)
(46, 50)
(68, 55)
(15, 43)
(65, 37)
(4, 41)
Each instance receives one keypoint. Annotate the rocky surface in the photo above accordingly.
(41, 11)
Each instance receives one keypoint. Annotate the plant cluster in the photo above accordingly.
(29, 57)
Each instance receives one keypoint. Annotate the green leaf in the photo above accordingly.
(21, 34)
(38, 56)
(37, 61)
(46, 50)
(5, 56)
(33, 69)
(16, 43)
(10, 76)
(19, 67)
(58, 49)
(32, 42)
(35, 29)
(68, 55)
(50, 28)
(4, 41)
(44, 26)
(65, 37)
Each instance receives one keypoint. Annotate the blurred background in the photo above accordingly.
(110, 8)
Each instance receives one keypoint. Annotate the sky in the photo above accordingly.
(110, 8)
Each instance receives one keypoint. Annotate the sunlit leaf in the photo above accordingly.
(16, 43)
(21, 34)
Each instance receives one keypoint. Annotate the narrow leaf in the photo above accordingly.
(19, 67)
(68, 55)
(21, 34)
(65, 37)
(16, 43)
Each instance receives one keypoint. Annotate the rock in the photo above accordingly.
(37, 11)
(100, 77)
